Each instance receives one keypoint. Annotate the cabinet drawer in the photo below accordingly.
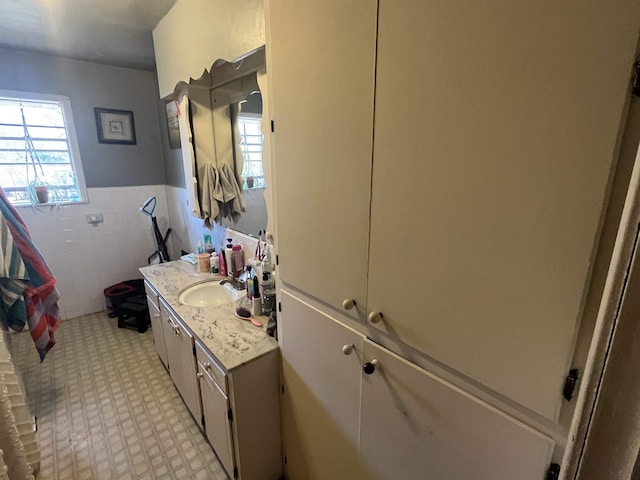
(152, 295)
(212, 367)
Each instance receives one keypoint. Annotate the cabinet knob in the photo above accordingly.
(199, 374)
(206, 365)
(375, 317)
(348, 348)
(348, 303)
(156, 315)
(370, 367)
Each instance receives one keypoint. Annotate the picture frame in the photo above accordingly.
(115, 126)
(173, 128)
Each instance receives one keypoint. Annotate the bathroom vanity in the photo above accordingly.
(225, 369)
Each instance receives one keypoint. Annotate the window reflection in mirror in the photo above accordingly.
(246, 117)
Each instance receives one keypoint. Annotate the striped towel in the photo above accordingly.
(13, 280)
(39, 293)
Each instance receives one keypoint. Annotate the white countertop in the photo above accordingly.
(231, 340)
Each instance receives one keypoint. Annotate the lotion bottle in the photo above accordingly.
(228, 260)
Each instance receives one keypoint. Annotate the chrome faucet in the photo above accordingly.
(235, 283)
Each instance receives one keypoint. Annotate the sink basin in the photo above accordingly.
(208, 294)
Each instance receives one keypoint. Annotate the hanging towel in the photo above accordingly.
(13, 280)
(40, 295)
(221, 195)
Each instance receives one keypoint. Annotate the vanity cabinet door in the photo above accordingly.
(182, 362)
(416, 425)
(157, 330)
(320, 407)
(492, 155)
(321, 60)
(215, 409)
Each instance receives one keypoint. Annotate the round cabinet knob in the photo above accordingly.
(206, 365)
(199, 374)
(370, 367)
(348, 303)
(375, 317)
(156, 315)
(348, 349)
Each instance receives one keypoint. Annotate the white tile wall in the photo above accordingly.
(84, 258)
(187, 230)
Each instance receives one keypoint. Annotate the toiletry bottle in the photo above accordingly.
(227, 257)
(223, 264)
(256, 306)
(249, 280)
(237, 260)
(215, 263)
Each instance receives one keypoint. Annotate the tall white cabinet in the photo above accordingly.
(445, 166)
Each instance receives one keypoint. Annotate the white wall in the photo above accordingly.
(86, 259)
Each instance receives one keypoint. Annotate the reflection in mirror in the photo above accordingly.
(246, 117)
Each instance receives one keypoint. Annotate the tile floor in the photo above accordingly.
(107, 409)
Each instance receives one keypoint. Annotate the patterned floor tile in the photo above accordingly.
(107, 409)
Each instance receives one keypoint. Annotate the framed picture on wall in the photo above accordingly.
(173, 129)
(115, 126)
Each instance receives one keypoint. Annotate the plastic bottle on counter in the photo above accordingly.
(223, 264)
(237, 260)
(228, 261)
(256, 306)
(215, 263)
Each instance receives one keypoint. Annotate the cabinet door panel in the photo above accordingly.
(157, 330)
(215, 408)
(496, 126)
(189, 387)
(322, 394)
(415, 425)
(321, 63)
(173, 355)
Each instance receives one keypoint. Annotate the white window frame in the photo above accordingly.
(72, 138)
(256, 117)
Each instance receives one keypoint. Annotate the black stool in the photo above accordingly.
(133, 315)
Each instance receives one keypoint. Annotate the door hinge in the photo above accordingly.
(279, 306)
(202, 420)
(282, 388)
(230, 415)
(285, 459)
(277, 260)
(570, 384)
(273, 126)
(235, 472)
(554, 472)
(194, 349)
(636, 79)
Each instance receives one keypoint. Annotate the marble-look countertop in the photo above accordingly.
(232, 341)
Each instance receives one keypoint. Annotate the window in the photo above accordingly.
(251, 145)
(38, 146)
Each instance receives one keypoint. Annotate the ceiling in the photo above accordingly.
(112, 32)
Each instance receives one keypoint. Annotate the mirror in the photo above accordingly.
(246, 117)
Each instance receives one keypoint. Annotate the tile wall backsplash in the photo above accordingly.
(85, 258)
